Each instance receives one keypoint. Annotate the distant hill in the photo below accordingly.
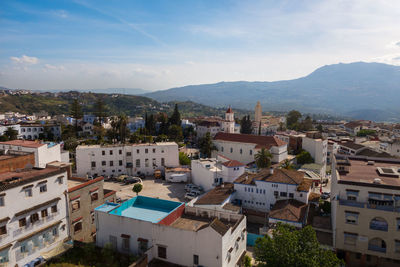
(337, 89)
(124, 91)
(59, 103)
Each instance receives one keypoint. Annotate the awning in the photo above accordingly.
(58, 250)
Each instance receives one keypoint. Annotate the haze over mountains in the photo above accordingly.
(361, 90)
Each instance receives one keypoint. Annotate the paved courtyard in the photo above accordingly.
(151, 188)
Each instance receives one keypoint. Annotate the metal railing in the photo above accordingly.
(376, 248)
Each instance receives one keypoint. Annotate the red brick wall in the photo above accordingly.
(19, 162)
(173, 216)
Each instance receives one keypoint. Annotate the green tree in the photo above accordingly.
(11, 133)
(4, 138)
(206, 145)
(150, 124)
(247, 261)
(263, 158)
(163, 119)
(292, 119)
(101, 110)
(175, 133)
(365, 132)
(76, 113)
(246, 126)
(99, 132)
(304, 157)
(281, 127)
(184, 159)
(320, 128)
(137, 188)
(291, 247)
(162, 138)
(306, 124)
(70, 144)
(175, 118)
(287, 164)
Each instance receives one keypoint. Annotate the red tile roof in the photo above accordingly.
(229, 110)
(216, 196)
(24, 143)
(232, 163)
(289, 210)
(261, 141)
(72, 189)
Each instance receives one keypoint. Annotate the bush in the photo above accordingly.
(304, 157)
(184, 159)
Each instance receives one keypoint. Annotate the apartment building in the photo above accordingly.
(243, 147)
(318, 149)
(260, 191)
(131, 159)
(212, 172)
(172, 232)
(33, 214)
(44, 152)
(34, 131)
(365, 197)
(84, 196)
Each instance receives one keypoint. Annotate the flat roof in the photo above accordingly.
(26, 173)
(143, 208)
(361, 172)
(125, 145)
(24, 143)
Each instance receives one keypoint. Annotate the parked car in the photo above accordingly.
(190, 196)
(325, 195)
(196, 191)
(132, 180)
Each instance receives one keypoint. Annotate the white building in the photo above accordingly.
(44, 152)
(129, 159)
(393, 147)
(170, 232)
(33, 214)
(204, 127)
(262, 190)
(31, 131)
(318, 149)
(209, 173)
(218, 125)
(243, 147)
(16, 127)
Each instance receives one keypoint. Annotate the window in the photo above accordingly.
(125, 243)
(103, 163)
(146, 150)
(111, 163)
(276, 193)
(34, 217)
(241, 151)
(352, 195)
(111, 152)
(28, 192)
(162, 150)
(54, 231)
(43, 188)
(154, 150)
(351, 217)
(251, 152)
(60, 179)
(44, 213)
(143, 245)
(138, 163)
(92, 216)
(162, 162)
(196, 259)
(154, 163)
(22, 222)
(94, 196)
(146, 162)
(77, 227)
(137, 151)
(350, 238)
(162, 252)
(222, 149)
(3, 230)
(283, 194)
(103, 152)
(120, 152)
(54, 209)
(93, 164)
(76, 205)
(120, 163)
(128, 154)
(397, 246)
(2, 204)
(22, 248)
(231, 150)
(291, 195)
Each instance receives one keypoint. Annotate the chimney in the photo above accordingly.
(271, 170)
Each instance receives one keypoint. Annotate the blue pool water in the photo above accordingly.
(251, 239)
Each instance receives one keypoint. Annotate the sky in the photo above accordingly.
(153, 45)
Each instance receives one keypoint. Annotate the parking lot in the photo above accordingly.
(151, 188)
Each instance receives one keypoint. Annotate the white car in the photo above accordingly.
(190, 196)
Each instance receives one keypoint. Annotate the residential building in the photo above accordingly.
(208, 173)
(14, 160)
(84, 196)
(131, 159)
(353, 127)
(290, 212)
(365, 197)
(44, 152)
(392, 147)
(33, 131)
(4, 127)
(33, 214)
(318, 149)
(207, 126)
(243, 147)
(172, 232)
(293, 139)
(216, 125)
(260, 191)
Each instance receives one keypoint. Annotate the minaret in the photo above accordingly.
(258, 112)
(229, 121)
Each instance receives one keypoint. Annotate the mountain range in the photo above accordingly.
(360, 90)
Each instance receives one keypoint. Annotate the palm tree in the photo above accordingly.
(287, 164)
(263, 158)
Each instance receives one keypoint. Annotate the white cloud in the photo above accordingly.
(53, 67)
(24, 59)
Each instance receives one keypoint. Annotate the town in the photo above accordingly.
(165, 190)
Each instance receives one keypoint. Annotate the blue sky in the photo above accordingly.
(161, 44)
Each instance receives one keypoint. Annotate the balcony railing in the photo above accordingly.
(377, 225)
(353, 203)
(376, 248)
(29, 227)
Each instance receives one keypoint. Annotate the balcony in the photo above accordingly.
(376, 248)
(351, 203)
(378, 225)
